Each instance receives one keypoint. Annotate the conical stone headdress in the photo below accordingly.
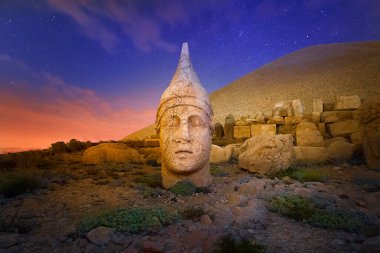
(185, 89)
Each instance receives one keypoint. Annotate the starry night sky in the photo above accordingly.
(95, 70)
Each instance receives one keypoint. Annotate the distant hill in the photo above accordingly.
(321, 71)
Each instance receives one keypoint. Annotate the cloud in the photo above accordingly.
(36, 115)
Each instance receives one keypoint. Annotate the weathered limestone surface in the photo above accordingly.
(311, 155)
(229, 127)
(335, 116)
(322, 129)
(184, 125)
(307, 134)
(266, 154)
(347, 102)
(370, 131)
(266, 129)
(344, 128)
(242, 132)
(282, 109)
(341, 150)
(111, 152)
(317, 105)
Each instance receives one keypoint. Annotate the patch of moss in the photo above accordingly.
(183, 188)
(228, 244)
(132, 220)
(12, 185)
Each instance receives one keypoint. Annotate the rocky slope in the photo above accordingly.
(321, 71)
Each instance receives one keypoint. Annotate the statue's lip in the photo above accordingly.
(184, 151)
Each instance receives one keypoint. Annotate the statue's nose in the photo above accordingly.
(183, 133)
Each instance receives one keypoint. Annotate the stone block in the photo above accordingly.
(276, 120)
(311, 155)
(331, 140)
(265, 129)
(291, 120)
(328, 106)
(340, 150)
(281, 109)
(335, 116)
(347, 102)
(297, 108)
(317, 105)
(322, 129)
(307, 134)
(344, 128)
(242, 132)
(316, 117)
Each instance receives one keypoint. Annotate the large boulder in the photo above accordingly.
(266, 154)
(111, 152)
(307, 134)
(311, 155)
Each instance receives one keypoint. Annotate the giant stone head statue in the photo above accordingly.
(184, 126)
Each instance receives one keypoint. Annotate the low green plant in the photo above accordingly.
(336, 220)
(12, 185)
(183, 188)
(292, 206)
(132, 220)
(303, 174)
(300, 208)
(228, 244)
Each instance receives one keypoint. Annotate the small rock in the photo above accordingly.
(100, 236)
(205, 219)
(337, 243)
(152, 247)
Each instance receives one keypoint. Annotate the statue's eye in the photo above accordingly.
(196, 121)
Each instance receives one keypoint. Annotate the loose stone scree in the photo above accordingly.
(184, 126)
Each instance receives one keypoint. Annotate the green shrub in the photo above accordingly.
(227, 245)
(183, 188)
(292, 206)
(132, 220)
(12, 185)
(44, 164)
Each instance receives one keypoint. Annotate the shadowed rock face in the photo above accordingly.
(183, 123)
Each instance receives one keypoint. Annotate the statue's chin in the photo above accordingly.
(184, 168)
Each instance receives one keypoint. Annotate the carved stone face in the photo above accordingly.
(185, 138)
